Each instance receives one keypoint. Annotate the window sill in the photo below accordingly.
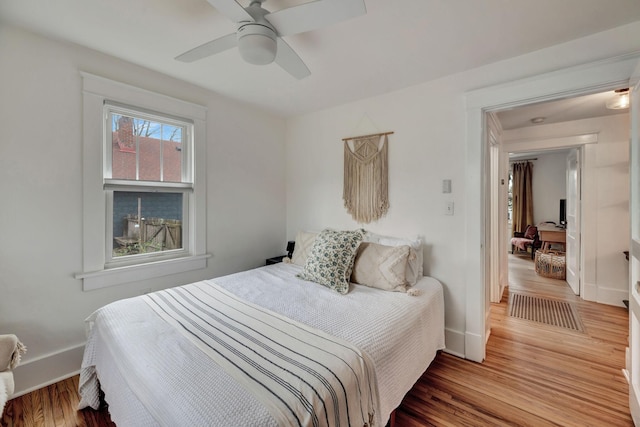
(132, 273)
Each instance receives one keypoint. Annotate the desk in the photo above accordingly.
(551, 234)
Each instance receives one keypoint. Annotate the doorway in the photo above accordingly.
(588, 150)
(549, 185)
(564, 84)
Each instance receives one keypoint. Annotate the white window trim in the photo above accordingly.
(185, 186)
(96, 90)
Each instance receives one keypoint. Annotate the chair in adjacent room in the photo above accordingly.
(527, 239)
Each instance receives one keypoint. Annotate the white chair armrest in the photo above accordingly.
(6, 377)
(6, 388)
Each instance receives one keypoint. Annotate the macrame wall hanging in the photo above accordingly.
(366, 177)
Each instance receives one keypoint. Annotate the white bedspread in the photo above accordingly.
(303, 376)
(400, 333)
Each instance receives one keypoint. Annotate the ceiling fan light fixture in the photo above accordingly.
(619, 101)
(257, 43)
(259, 31)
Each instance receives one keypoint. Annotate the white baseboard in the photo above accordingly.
(45, 370)
(474, 346)
(612, 296)
(466, 345)
(454, 342)
(604, 295)
(589, 291)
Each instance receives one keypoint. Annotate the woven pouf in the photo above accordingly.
(550, 264)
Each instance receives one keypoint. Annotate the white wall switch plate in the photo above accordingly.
(448, 208)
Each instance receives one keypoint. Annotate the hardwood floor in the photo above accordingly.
(54, 405)
(534, 375)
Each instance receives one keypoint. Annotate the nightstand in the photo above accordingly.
(275, 260)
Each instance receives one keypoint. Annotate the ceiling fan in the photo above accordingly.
(259, 33)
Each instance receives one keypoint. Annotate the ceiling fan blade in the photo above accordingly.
(290, 61)
(232, 10)
(209, 48)
(314, 15)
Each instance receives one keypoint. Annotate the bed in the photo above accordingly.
(153, 373)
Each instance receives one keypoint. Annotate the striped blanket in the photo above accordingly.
(302, 375)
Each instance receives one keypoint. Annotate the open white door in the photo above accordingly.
(573, 221)
(633, 353)
(496, 216)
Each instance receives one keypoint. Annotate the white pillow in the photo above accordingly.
(415, 269)
(380, 266)
(304, 244)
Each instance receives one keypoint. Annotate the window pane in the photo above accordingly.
(146, 150)
(123, 142)
(172, 153)
(146, 222)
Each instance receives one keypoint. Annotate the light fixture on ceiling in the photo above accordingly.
(538, 120)
(620, 100)
(257, 43)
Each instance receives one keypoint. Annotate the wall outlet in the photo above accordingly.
(448, 208)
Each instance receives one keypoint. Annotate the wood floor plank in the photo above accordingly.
(534, 375)
(67, 396)
(34, 413)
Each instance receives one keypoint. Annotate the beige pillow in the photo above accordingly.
(382, 267)
(414, 266)
(302, 250)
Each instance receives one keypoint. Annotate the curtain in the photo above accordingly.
(522, 196)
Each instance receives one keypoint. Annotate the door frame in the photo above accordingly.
(574, 234)
(632, 368)
(574, 81)
(497, 209)
(542, 145)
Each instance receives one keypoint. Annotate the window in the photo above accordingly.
(144, 186)
(148, 179)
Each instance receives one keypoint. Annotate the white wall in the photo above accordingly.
(422, 152)
(429, 121)
(549, 186)
(605, 201)
(41, 194)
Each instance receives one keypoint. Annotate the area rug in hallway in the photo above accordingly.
(543, 310)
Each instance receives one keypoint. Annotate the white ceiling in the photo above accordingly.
(396, 44)
(563, 110)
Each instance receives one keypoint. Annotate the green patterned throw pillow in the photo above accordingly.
(331, 259)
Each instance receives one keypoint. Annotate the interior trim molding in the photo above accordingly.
(564, 83)
(474, 346)
(611, 296)
(454, 341)
(47, 369)
(570, 141)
